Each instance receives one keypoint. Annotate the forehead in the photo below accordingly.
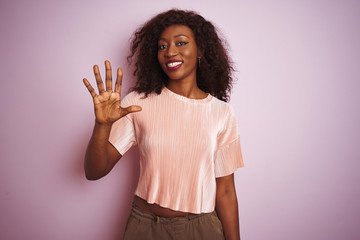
(174, 31)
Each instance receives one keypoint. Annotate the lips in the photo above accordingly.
(174, 65)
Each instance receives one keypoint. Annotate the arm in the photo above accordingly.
(101, 156)
(227, 207)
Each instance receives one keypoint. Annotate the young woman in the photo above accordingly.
(186, 132)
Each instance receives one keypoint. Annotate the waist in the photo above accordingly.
(158, 210)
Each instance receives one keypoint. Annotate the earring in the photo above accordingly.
(199, 60)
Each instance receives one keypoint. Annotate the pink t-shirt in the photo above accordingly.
(184, 145)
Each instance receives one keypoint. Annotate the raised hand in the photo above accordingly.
(107, 102)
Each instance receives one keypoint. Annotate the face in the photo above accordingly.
(178, 53)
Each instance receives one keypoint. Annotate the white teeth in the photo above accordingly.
(174, 64)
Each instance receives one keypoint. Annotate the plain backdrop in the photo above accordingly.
(296, 99)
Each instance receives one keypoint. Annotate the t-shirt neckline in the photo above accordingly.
(208, 98)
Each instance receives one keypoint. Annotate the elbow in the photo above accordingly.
(227, 192)
(225, 186)
(92, 173)
(92, 177)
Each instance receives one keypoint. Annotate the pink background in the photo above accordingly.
(296, 98)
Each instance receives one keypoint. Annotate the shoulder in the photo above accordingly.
(131, 96)
(225, 108)
(134, 97)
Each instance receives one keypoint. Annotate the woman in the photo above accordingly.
(187, 134)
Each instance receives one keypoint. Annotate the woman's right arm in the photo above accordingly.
(100, 155)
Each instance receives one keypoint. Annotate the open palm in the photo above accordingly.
(107, 102)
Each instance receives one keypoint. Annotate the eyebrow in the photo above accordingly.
(179, 35)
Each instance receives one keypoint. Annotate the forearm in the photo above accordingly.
(96, 157)
(227, 210)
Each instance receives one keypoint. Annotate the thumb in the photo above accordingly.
(133, 108)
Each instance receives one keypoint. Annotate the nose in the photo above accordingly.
(172, 51)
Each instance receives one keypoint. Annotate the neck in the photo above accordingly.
(186, 89)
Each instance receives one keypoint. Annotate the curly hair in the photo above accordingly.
(214, 73)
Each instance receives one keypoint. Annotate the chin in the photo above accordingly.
(174, 77)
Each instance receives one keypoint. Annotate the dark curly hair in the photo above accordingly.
(214, 73)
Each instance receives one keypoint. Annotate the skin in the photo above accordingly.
(177, 42)
(226, 206)
(100, 155)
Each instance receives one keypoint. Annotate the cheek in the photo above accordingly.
(161, 61)
(191, 55)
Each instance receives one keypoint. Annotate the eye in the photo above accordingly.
(162, 47)
(182, 43)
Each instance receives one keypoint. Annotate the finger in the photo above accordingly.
(99, 81)
(89, 87)
(108, 76)
(132, 108)
(118, 82)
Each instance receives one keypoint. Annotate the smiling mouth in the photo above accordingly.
(173, 65)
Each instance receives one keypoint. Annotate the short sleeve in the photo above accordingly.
(122, 134)
(228, 156)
